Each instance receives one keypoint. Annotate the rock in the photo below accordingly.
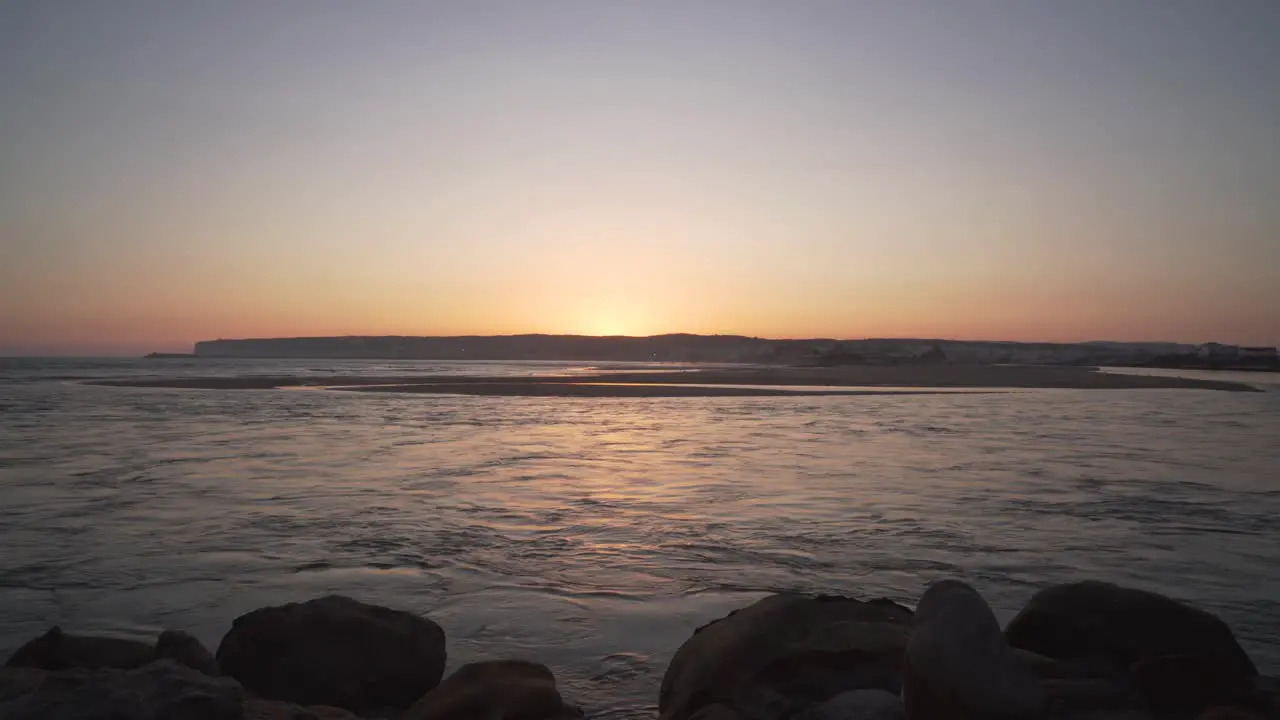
(717, 711)
(1085, 696)
(56, 650)
(1100, 620)
(495, 690)
(1182, 684)
(858, 705)
(1228, 713)
(279, 710)
(1106, 715)
(1269, 687)
(184, 649)
(1078, 668)
(335, 651)
(1268, 691)
(958, 664)
(162, 690)
(16, 681)
(786, 648)
(1039, 664)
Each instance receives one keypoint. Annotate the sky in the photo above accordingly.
(1016, 170)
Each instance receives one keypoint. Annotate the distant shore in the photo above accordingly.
(712, 382)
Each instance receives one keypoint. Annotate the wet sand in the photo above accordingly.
(669, 384)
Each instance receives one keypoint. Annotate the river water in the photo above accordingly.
(594, 534)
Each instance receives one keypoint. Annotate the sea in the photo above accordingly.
(595, 534)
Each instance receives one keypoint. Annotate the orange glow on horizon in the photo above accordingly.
(902, 170)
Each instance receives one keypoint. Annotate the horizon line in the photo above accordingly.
(710, 335)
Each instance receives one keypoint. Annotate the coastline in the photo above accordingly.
(751, 380)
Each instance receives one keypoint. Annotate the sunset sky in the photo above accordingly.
(1080, 170)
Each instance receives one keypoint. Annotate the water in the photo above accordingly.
(595, 534)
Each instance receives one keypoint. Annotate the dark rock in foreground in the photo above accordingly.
(335, 651)
(786, 654)
(958, 664)
(57, 650)
(858, 705)
(1228, 713)
(162, 690)
(1179, 657)
(184, 649)
(495, 690)
(279, 710)
(1089, 619)
(1089, 652)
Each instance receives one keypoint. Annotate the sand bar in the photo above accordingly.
(702, 382)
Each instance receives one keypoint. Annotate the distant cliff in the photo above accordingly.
(693, 348)
(684, 348)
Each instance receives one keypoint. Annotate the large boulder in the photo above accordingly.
(57, 650)
(495, 690)
(1228, 713)
(162, 690)
(787, 653)
(858, 705)
(18, 681)
(335, 651)
(1175, 683)
(716, 712)
(1088, 697)
(958, 664)
(1097, 619)
(184, 649)
(280, 710)
(1177, 655)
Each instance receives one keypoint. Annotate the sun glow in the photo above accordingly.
(607, 326)
(607, 320)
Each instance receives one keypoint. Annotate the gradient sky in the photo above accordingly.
(1052, 170)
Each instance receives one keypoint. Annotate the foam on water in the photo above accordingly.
(595, 534)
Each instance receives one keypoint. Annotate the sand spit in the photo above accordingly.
(767, 381)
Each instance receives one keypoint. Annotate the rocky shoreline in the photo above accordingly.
(1087, 650)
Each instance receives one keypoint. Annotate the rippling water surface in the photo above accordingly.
(595, 534)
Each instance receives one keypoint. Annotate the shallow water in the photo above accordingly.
(595, 534)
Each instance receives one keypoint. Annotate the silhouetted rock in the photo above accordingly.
(1045, 667)
(57, 650)
(1094, 618)
(1091, 696)
(958, 664)
(858, 705)
(1268, 689)
(786, 653)
(1228, 713)
(335, 651)
(184, 649)
(1177, 654)
(717, 711)
(18, 681)
(495, 690)
(162, 690)
(1180, 683)
(280, 710)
